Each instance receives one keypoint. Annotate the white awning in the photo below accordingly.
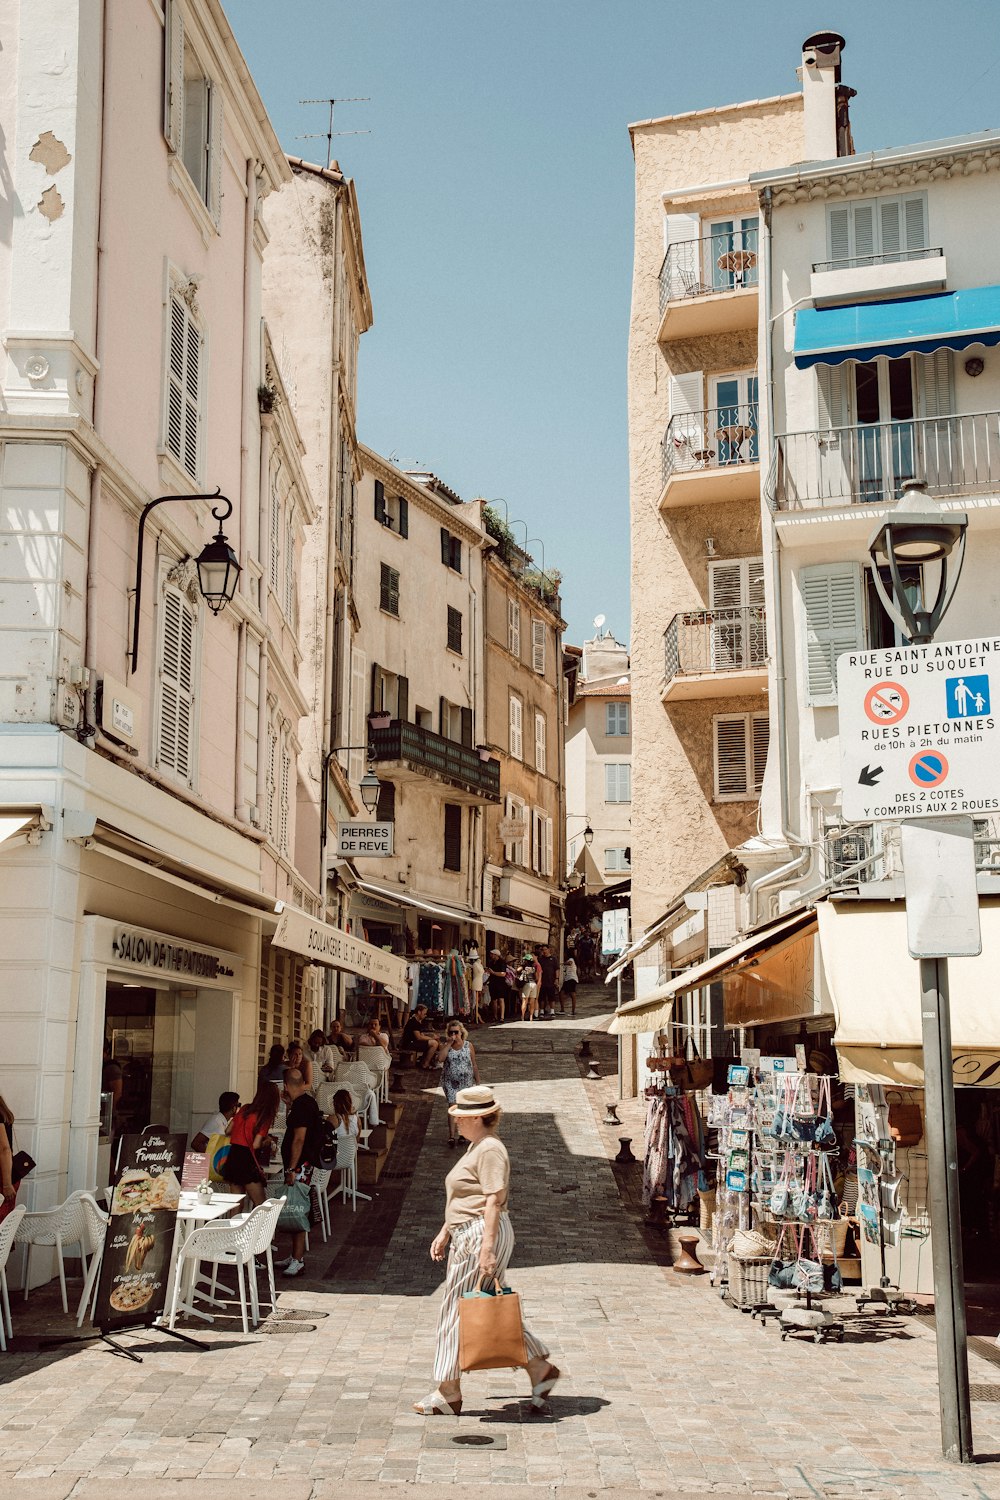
(648, 1014)
(528, 932)
(639, 945)
(321, 943)
(12, 825)
(433, 907)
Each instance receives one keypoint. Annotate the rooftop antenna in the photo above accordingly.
(598, 622)
(328, 134)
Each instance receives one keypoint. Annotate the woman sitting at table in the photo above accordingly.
(248, 1131)
(344, 1118)
(373, 1036)
(296, 1058)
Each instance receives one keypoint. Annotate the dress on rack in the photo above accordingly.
(674, 1132)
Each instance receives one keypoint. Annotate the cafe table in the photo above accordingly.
(191, 1215)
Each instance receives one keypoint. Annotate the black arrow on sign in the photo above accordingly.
(869, 777)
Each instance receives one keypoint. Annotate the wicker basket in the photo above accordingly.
(706, 1210)
(748, 1281)
(831, 1238)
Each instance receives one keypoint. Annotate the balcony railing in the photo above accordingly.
(713, 439)
(427, 751)
(723, 262)
(867, 465)
(891, 257)
(714, 640)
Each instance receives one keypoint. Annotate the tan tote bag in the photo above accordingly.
(490, 1330)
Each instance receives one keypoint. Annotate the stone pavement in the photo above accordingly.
(666, 1391)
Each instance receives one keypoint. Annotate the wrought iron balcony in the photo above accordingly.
(722, 262)
(702, 647)
(433, 754)
(720, 438)
(866, 465)
(890, 257)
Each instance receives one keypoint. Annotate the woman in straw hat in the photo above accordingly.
(478, 1240)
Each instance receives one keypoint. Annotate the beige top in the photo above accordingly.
(482, 1171)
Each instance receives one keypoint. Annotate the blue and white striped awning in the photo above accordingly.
(907, 325)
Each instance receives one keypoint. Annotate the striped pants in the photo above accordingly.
(463, 1276)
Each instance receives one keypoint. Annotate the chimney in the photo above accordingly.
(826, 99)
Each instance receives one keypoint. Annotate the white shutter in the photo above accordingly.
(289, 605)
(547, 846)
(182, 437)
(270, 782)
(518, 808)
(891, 236)
(173, 75)
(864, 229)
(514, 628)
(687, 423)
(538, 646)
(936, 383)
(516, 728)
(213, 196)
(284, 798)
(275, 533)
(727, 584)
(359, 689)
(682, 230)
(681, 227)
(831, 389)
(175, 749)
(730, 755)
(540, 746)
(754, 587)
(508, 813)
(760, 730)
(834, 623)
(915, 222)
(839, 225)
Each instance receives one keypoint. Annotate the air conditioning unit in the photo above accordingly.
(847, 848)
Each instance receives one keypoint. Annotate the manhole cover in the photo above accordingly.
(497, 1440)
(984, 1393)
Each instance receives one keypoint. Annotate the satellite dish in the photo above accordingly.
(622, 682)
(599, 621)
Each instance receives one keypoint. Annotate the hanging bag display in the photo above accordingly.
(781, 1192)
(825, 1135)
(698, 1070)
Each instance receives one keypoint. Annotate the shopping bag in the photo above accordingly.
(217, 1151)
(295, 1214)
(490, 1330)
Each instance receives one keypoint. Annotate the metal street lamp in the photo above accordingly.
(588, 835)
(370, 786)
(218, 566)
(918, 530)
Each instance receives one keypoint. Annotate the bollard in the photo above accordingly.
(687, 1263)
(611, 1117)
(624, 1149)
(595, 1068)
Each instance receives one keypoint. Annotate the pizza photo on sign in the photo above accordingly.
(132, 1294)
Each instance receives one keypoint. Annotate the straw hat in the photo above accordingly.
(475, 1101)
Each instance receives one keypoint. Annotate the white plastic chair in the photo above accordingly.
(97, 1223)
(347, 1166)
(67, 1224)
(262, 1228)
(321, 1182)
(8, 1232)
(378, 1061)
(226, 1242)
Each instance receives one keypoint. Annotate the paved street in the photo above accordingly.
(666, 1389)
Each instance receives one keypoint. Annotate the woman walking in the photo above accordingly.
(528, 978)
(478, 1240)
(248, 1130)
(459, 1071)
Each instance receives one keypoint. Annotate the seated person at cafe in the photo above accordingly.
(373, 1036)
(340, 1039)
(344, 1119)
(301, 1148)
(217, 1124)
(324, 1058)
(273, 1070)
(418, 1037)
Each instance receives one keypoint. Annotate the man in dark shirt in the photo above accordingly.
(300, 1151)
(417, 1037)
(550, 972)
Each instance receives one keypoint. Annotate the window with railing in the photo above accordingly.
(722, 260)
(872, 231)
(719, 437)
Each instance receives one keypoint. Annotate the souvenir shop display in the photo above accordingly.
(884, 1123)
(674, 1163)
(441, 984)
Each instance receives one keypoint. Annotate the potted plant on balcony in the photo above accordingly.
(380, 720)
(484, 752)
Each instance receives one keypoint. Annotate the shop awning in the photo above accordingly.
(875, 986)
(13, 824)
(741, 955)
(527, 932)
(322, 943)
(640, 944)
(433, 908)
(906, 325)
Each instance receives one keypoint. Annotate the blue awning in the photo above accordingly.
(908, 325)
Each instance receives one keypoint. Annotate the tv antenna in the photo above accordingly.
(328, 134)
(599, 621)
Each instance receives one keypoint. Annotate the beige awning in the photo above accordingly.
(428, 904)
(322, 943)
(526, 931)
(875, 986)
(10, 826)
(653, 1008)
(640, 944)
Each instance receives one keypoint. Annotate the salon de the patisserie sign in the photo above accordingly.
(323, 944)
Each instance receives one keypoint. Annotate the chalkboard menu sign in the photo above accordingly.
(139, 1240)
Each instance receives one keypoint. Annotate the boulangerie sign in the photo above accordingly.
(320, 943)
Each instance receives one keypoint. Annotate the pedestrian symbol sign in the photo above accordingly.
(967, 695)
(917, 733)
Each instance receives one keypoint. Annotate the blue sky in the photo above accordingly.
(496, 202)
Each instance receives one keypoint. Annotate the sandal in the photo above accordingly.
(437, 1405)
(540, 1391)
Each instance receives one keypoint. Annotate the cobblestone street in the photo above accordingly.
(666, 1390)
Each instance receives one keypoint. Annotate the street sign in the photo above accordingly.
(614, 934)
(512, 830)
(939, 876)
(373, 840)
(918, 733)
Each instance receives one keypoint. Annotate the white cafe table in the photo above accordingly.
(191, 1215)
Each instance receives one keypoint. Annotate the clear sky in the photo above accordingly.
(496, 203)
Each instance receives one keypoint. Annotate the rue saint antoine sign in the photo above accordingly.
(920, 730)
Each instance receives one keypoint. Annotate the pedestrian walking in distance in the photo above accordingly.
(460, 1070)
(478, 1240)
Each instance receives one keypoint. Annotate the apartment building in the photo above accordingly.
(524, 853)
(599, 767)
(417, 709)
(699, 705)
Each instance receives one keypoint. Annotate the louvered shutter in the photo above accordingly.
(173, 75)
(727, 595)
(516, 729)
(359, 690)
(514, 627)
(536, 841)
(915, 222)
(759, 735)
(726, 584)
(443, 718)
(404, 516)
(403, 699)
(687, 424)
(275, 560)
(375, 705)
(540, 746)
(284, 798)
(547, 830)
(864, 230)
(445, 546)
(839, 224)
(177, 667)
(380, 513)
(289, 558)
(270, 781)
(831, 389)
(939, 454)
(891, 237)
(215, 114)
(466, 717)
(683, 263)
(183, 387)
(834, 623)
(538, 646)
(936, 383)
(508, 813)
(731, 755)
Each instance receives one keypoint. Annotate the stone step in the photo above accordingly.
(370, 1166)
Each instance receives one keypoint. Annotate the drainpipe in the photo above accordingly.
(801, 860)
(328, 684)
(263, 546)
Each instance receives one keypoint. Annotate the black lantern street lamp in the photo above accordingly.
(370, 786)
(588, 835)
(918, 530)
(218, 566)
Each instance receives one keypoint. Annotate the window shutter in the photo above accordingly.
(611, 783)
(173, 75)
(445, 546)
(404, 516)
(177, 665)
(271, 784)
(839, 223)
(290, 570)
(443, 717)
(380, 514)
(936, 383)
(731, 755)
(831, 387)
(754, 587)
(275, 560)
(375, 705)
(834, 623)
(183, 387)
(284, 798)
(508, 813)
(726, 584)
(540, 743)
(536, 841)
(538, 646)
(359, 683)
(385, 811)
(681, 228)
(466, 715)
(514, 627)
(915, 222)
(403, 699)
(215, 112)
(452, 836)
(759, 736)
(547, 833)
(864, 229)
(516, 729)
(889, 226)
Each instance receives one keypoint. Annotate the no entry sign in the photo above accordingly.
(919, 735)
